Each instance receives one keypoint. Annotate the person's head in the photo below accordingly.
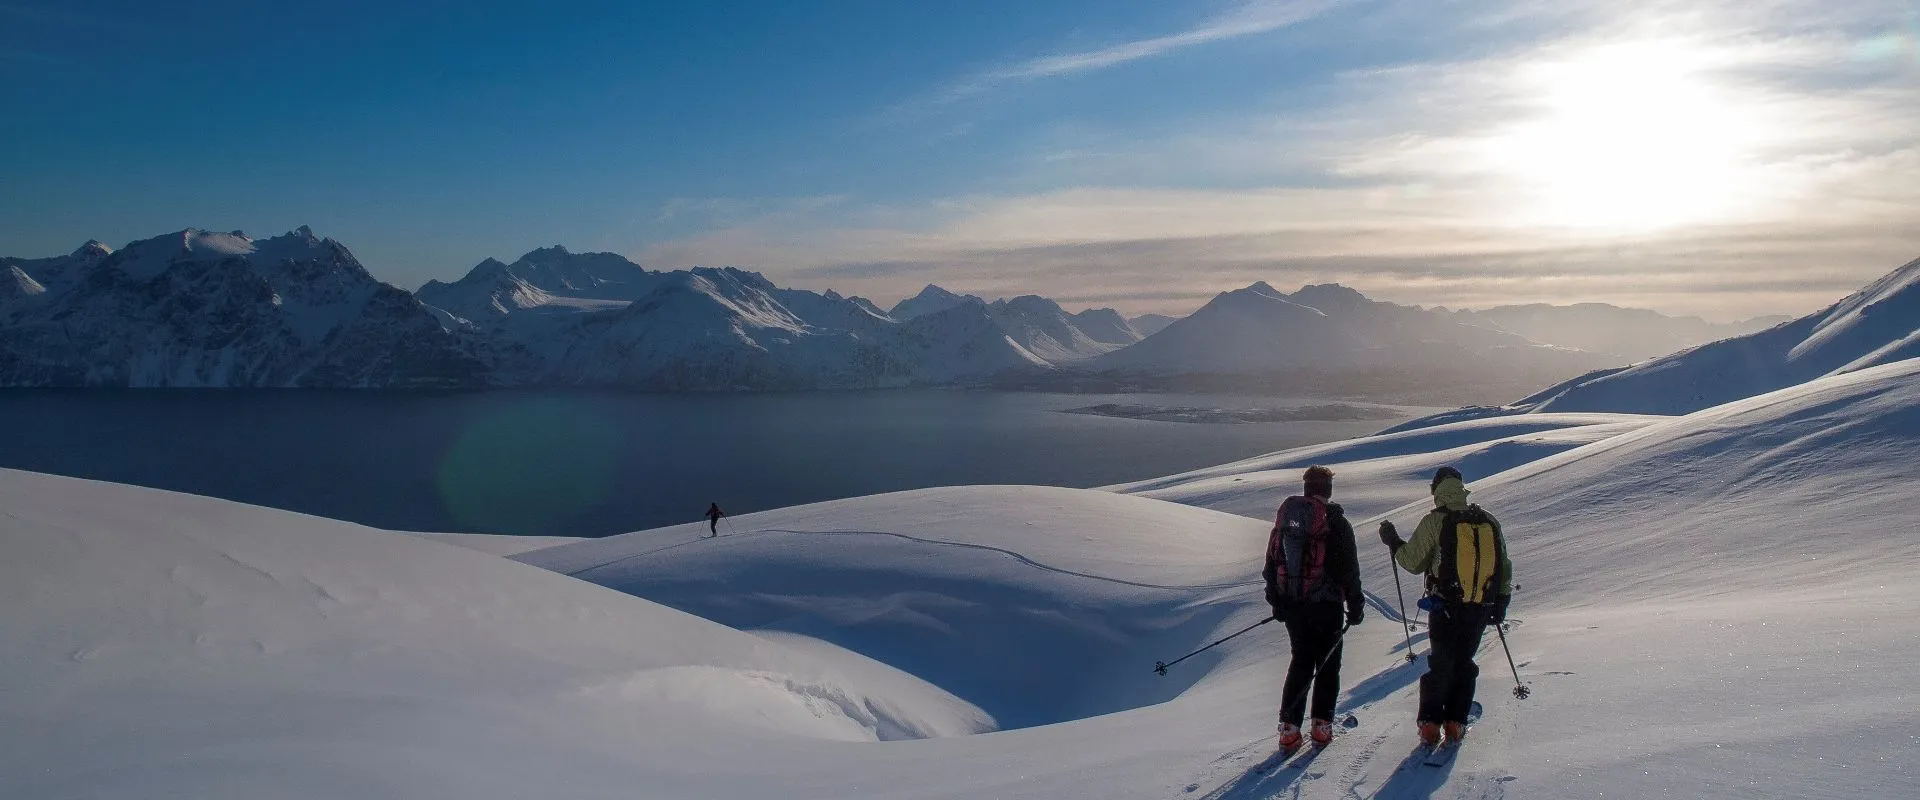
(1319, 482)
(1442, 474)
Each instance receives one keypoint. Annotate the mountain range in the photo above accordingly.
(198, 308)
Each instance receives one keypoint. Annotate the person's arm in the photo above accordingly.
(1417, 554)
(1503, 578)
(1268, 572)
(1347, 561)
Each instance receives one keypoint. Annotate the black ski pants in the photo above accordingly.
(1314, 630)
(1453, 634)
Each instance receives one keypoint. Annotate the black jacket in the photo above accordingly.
(1342, 567)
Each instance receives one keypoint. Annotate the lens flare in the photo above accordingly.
(530, 468)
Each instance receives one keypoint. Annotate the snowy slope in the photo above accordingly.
(500, 544)
(178, 646)
(1880, 324)
(1044, 329)
(547, 280)
(1375, 474)
(202, 308)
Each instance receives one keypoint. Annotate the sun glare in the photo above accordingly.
(1628, 138)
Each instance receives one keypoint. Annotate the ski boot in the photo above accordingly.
(1322, 732)
(1289, 737)
(1455, 732)
(1430, 734)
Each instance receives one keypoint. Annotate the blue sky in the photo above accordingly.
(1723, 158)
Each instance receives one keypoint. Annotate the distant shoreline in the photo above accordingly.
(1337, 412)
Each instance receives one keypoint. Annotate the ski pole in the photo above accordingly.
(1160, 667)
(1520, 690)
(1406, 627)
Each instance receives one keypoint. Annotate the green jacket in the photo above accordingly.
(1421, 553)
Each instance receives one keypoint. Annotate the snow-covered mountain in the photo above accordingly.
(930, 300)
(1150, 324)
(1879, 324)
(554, 317)
(1631, 334)
(1043, 328)
(201, 308)
(1331, 336)
(550, 279)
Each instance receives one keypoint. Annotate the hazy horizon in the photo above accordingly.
(1718, 159)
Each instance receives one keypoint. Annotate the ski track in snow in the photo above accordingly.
(939, 542)
(1379, 604)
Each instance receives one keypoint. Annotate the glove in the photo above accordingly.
(1499, 614)
(1355, 615)
(1390, 536)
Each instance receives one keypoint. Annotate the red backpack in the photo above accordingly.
(1297, 549)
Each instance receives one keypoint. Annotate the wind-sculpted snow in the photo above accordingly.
(181, 646)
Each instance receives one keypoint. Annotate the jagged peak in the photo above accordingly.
(93, 249)
(1330, 297)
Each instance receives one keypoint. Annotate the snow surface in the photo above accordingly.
(500, 544)
(1374, 474)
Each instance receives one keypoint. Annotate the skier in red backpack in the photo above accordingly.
(1313, 585)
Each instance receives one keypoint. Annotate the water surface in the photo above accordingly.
(581, 463)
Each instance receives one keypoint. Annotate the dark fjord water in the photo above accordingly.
(590, 464)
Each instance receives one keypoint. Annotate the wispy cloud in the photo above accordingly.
(1755, 152)
(1250, 19)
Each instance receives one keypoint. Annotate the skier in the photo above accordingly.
(713, 519)
(1313, 585)
(1462, 552)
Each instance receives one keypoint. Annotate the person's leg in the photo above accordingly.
(1293, 695)
(1326, 685)
(1471, 625)
(1438, 682)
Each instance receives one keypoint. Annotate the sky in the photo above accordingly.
(1723, 158)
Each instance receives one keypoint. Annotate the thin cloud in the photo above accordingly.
(1251, 19)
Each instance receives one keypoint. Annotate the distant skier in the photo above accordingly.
(713, 519)
(1313, 585)
(1463, 553)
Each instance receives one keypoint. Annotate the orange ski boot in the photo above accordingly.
(1289, 737)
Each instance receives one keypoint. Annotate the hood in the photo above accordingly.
(1451, 494)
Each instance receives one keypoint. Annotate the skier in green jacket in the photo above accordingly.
(1462, 552)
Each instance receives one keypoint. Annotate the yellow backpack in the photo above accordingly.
(1471, 551)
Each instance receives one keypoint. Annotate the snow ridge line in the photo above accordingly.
(1378, 602)
(940, 542)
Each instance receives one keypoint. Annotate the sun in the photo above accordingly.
(1625, 138)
